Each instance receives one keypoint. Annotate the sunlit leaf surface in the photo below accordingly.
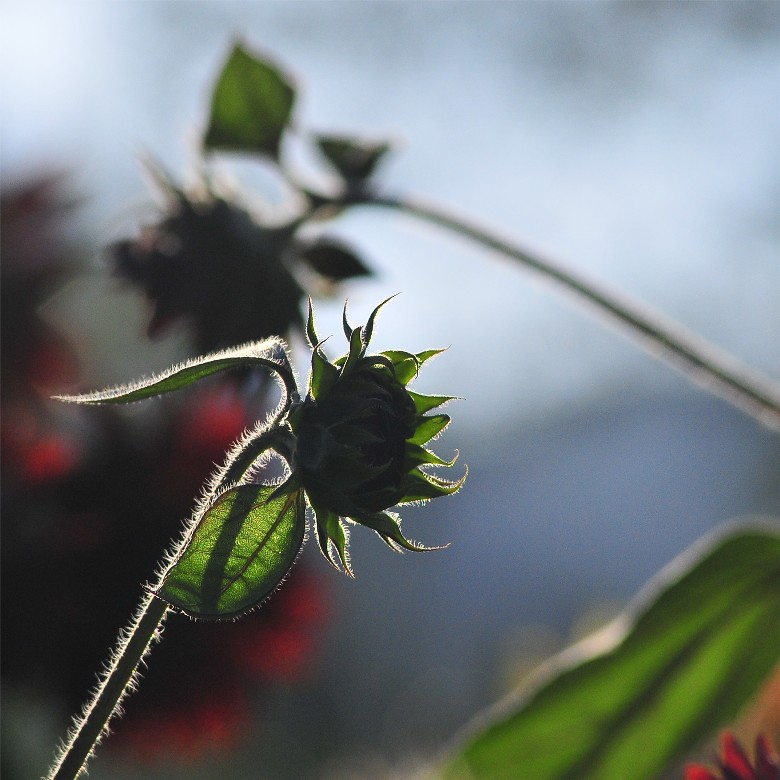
(241, 550)
(181, 376)
(697, 646)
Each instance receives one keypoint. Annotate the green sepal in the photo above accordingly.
(408, 365)
(428, 427)
(239, 552)
(427, 354)
(311, 331)
(251, 106)
(178, 377)
(331, 533)
(348, 330)
(419, 486)
(388, 528)
(356, 350)
(405, 364)
(323, 374)
(425, 403)
(368, 329)
(416, 455)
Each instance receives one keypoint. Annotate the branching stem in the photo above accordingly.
(702, 362)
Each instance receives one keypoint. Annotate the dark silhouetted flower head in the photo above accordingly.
(360, 436)
(212, 264)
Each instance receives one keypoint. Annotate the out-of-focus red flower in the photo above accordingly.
(734, 763)
(204, 679)
(91, 499)
(36, 358)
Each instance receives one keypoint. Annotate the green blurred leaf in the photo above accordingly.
(697, 646)
(178, 377)
(251, 105)
(354, 158)
(240, 551)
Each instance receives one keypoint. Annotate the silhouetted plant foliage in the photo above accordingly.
(230, 274)
(682, 659)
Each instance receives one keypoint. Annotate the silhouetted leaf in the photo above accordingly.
(241, 549)
(654, 683)
(334, 260)
(251, 105)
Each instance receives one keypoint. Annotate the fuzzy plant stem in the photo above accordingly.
(705, 364)
(118, 679)
(135, 641)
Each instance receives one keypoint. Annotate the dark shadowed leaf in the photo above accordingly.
(242, 548)
(334, 260)
(251, 105)
(653, 684)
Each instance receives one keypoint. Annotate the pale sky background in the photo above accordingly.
(636, 142)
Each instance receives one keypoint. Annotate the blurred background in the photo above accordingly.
(638, 142)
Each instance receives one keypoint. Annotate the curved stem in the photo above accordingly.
(117, 680)
(700, 361)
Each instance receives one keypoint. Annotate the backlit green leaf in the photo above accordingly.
(251, 105)
(653, 684)
(240, 551)
(178, 377)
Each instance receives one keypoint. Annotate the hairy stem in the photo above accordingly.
(704, 363)
(116, 681)
(135, 641)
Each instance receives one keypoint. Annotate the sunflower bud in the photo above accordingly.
(359, 440)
